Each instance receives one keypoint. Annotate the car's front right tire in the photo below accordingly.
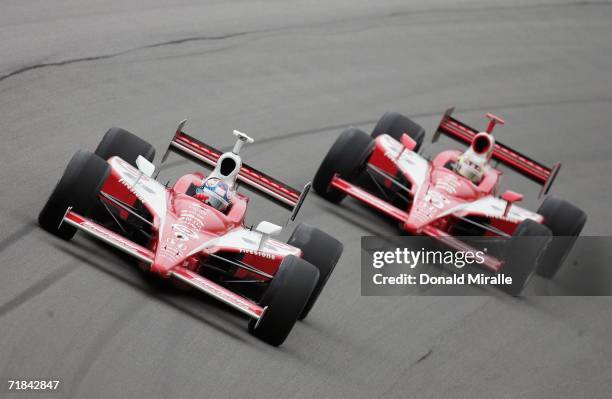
(566, 222)
(395, 125)
(125, 145)
(523, 253)
(78, 188)
(320, 250)
(347, 157)
(285, 299)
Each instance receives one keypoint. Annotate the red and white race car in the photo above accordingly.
(454, 193)
(194, 231)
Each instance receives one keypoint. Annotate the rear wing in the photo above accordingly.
(207, 156)
(522, 164)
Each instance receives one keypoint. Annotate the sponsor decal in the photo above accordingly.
(186, 228)
(224, 295)
(143, 180)
(392, 153)
(114, 237)
(393, 150)
(448, 183)
(261, 254)
(221, 189)
(191, 220)
(173, 249)
(212, 182)
(436, 199)
(132, 190)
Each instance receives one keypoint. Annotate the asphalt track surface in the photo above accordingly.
(292, 75)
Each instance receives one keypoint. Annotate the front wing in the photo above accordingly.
(182, 274)
(401, 216)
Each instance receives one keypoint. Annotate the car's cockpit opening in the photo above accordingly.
(481, 144)
(227, 166)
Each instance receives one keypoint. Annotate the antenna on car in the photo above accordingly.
(493, 120)
(299, 203)
(241, 139)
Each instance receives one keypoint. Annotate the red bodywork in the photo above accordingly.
(439, 198)
(187, 234)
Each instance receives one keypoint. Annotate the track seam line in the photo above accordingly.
(38, 288)
(393, 14)
(15, 236)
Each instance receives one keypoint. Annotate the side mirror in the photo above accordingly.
(145, 166)
(408, 142)
(510, 197)
(268, 229)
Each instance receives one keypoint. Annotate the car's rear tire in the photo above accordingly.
(395, 125)
(320, 250)
(285, 299)
(78, 187)
(125, 145)
(522, 257)
(566, 222)
(347, 157)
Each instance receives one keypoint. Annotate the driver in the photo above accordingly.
(218, 188)
(214, 192)
(473, 163)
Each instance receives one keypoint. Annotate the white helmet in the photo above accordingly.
(473, 162)
(217, 192)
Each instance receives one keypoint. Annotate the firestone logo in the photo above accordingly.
(132, 190)
(257, 253)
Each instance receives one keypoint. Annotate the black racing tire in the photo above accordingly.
(346, 157)
(125, 145)
(78, 187)
(523, 255)
(285, 299)
(320, 250)
(395, 125)
(566, 222)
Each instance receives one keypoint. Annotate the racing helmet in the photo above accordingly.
(473, 162)
(217, 192)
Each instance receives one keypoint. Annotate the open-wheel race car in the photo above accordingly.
(454, 193)
(194, 231)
